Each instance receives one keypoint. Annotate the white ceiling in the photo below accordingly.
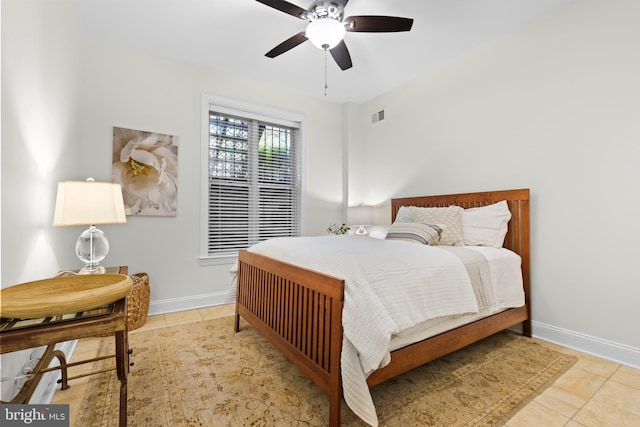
(234, 35)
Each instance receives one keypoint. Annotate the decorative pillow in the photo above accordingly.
(425, 234)
(449, 219)
(404, 214)
(486, 225)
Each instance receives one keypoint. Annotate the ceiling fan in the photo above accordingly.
(327, 27)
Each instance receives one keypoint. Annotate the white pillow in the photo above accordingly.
(449, 219)
(404, 214)
(486, 225)
(425, 234)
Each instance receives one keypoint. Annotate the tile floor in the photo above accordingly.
(592, 393)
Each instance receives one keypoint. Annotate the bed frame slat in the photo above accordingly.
(299, 311)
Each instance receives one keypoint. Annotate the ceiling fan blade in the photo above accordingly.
(286, 45)
(286, 7)
(341, 55)
(377, 24)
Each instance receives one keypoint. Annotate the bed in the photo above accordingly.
(300, 310)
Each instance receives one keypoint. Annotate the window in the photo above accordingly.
(253, 180)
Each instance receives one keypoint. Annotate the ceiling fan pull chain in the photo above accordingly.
(325, 71)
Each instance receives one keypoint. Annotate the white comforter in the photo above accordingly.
(390, 286)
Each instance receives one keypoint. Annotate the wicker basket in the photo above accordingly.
(138, 301)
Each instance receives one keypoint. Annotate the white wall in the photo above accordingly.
(555, 107)
(111, 85)
(131, 89)
(40, 140)
(63, 91)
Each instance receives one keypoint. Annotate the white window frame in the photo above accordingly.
(222, 105)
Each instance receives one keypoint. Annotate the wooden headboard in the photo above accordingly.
(517, 238)
(518, 234)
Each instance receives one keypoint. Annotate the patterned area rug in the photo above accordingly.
(204, 374)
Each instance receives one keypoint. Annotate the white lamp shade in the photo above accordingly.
(325, 32)
(360, 215)
(89, 203)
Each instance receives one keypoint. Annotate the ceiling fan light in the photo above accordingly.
(325, 32)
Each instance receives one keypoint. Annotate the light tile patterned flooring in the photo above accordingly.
(592, 393)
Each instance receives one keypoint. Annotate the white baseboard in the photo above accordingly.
(188, 303)
(609, 350)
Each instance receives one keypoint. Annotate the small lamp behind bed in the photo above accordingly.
(360, 216)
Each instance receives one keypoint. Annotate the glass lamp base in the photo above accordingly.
(92, 269)
(91, 248)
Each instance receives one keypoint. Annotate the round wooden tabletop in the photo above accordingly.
(62, 295)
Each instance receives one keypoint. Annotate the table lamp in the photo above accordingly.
(360, 216)
(90, 203)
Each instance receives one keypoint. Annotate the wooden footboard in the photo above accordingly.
(300, 312)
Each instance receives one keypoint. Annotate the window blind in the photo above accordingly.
(254, 182)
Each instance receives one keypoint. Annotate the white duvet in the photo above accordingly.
(390, 287)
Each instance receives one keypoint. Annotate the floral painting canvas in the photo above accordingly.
(146, 165)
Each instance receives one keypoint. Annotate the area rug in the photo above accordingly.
(205, 374)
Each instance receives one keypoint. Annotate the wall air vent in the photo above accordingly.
(377, 117)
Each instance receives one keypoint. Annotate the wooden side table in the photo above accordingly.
(21, 334)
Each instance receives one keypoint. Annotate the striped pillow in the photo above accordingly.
(426, 234)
